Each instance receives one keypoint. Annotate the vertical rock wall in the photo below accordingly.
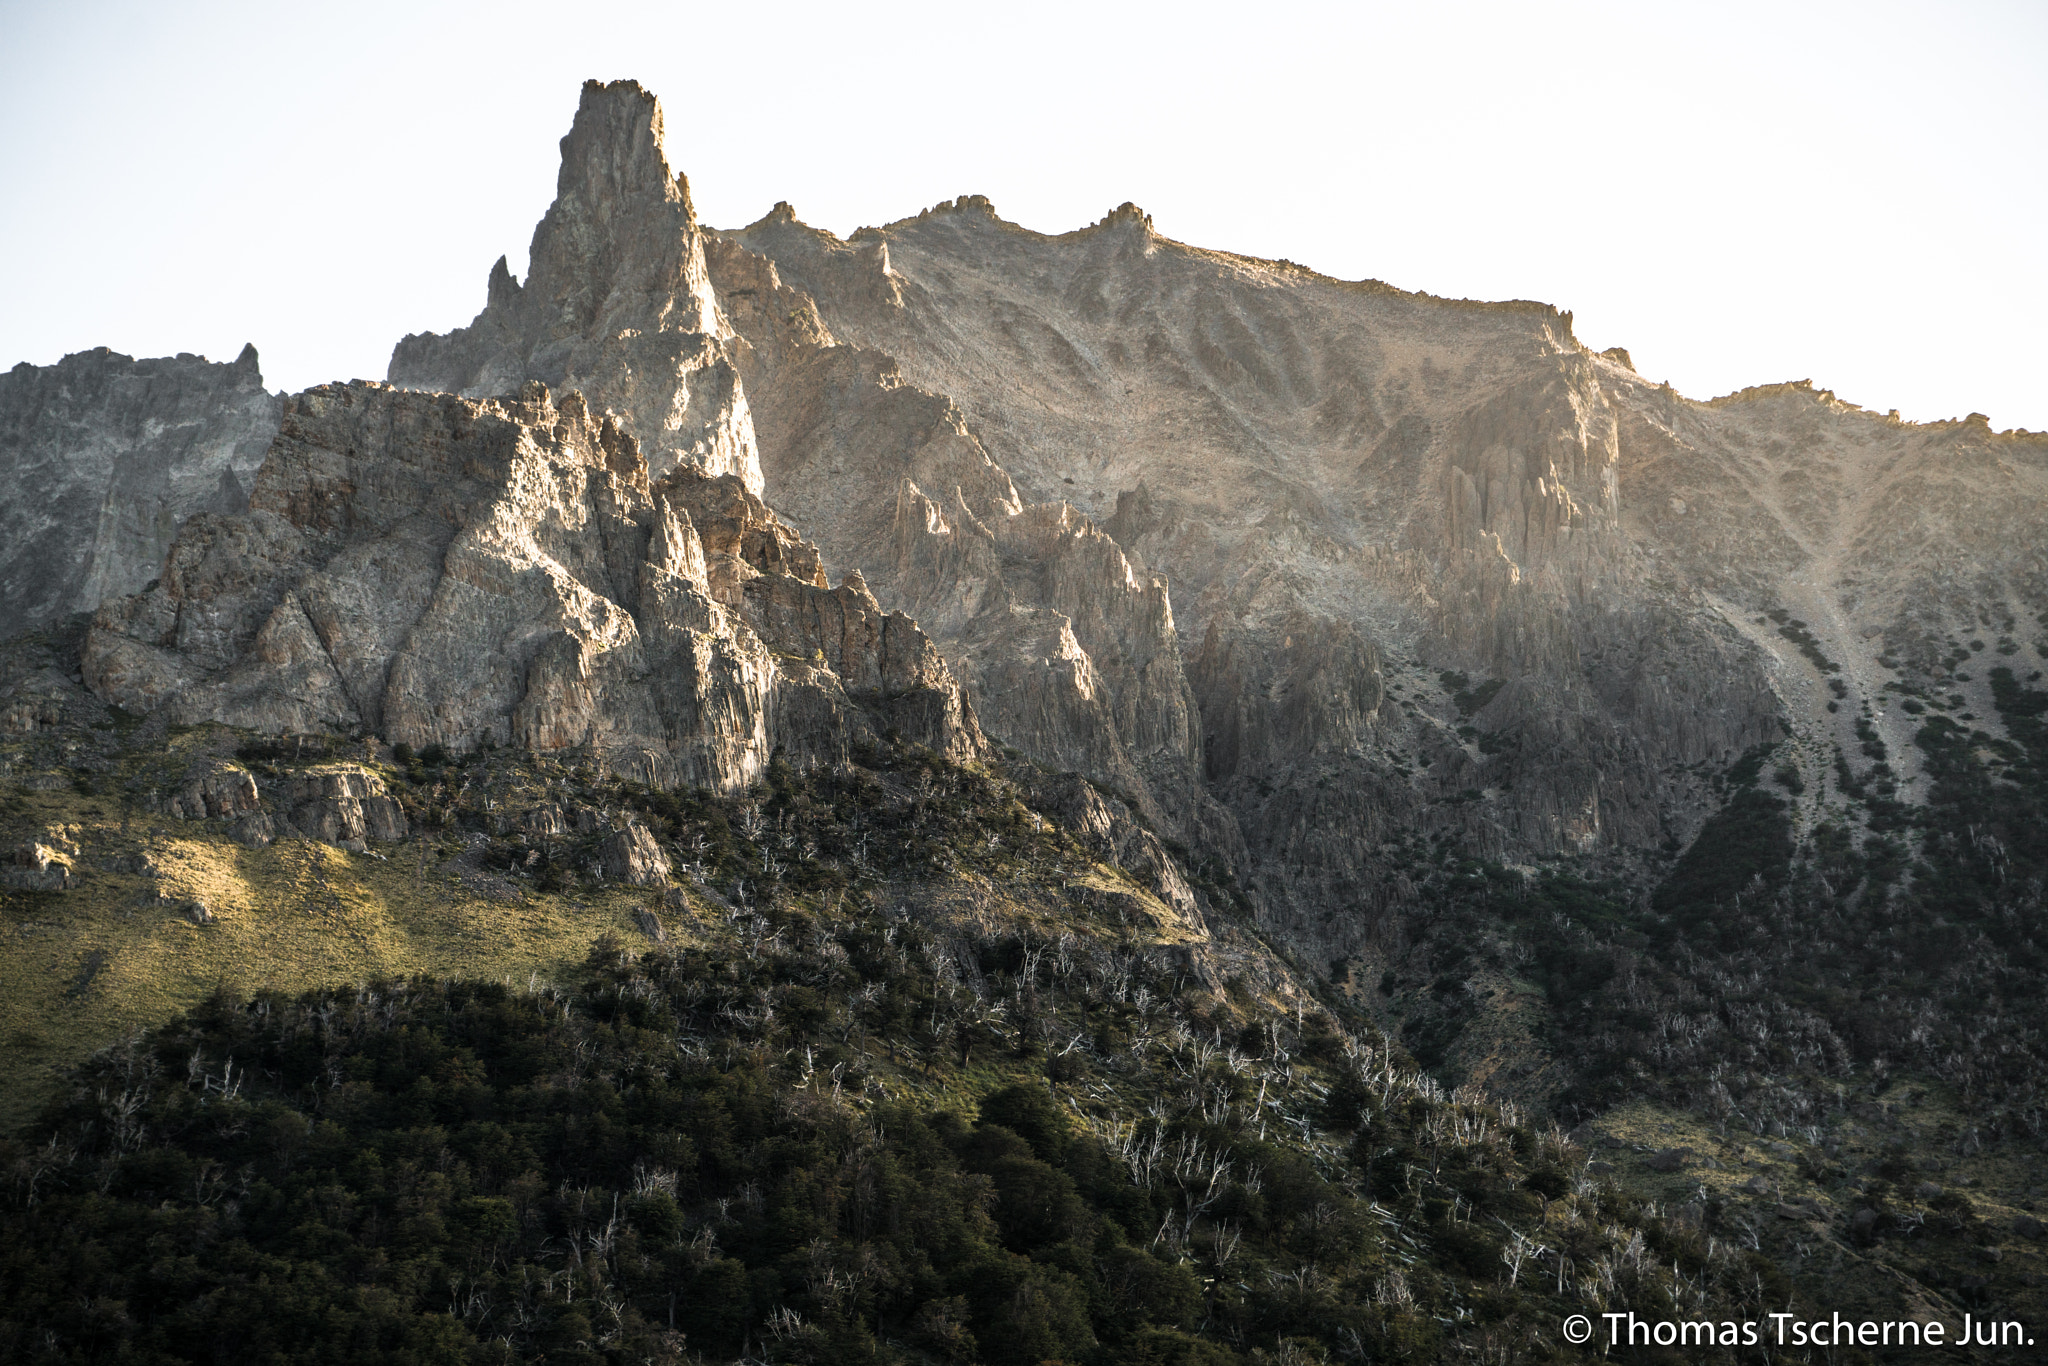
(105, 458)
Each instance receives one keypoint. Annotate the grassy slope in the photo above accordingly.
(289, 917)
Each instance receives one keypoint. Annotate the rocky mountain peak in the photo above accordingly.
(616, 180)
(617, 303)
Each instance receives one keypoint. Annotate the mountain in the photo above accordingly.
(1395, 702)
(456, 572)
(1358, 493)
(107, 458)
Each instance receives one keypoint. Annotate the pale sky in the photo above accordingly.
(1737, 193)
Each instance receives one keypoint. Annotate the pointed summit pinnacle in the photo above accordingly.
(614, 149)
(616, 303)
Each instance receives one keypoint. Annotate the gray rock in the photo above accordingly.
(650, 925)
(454, 571)
(257, 830)
(342, 804)
(1669, 1159)
(106, 458)
(617, 303)
(543, 820)
(214, 789)
(37, 867)
(632, 855)
(1107, 829)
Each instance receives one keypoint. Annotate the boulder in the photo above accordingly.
(36, 867)
(631, 855)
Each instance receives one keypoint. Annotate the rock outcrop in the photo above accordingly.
(105, 458)
(215, 790)
(616, 304)
(444, 570)
(342, 804)
(631, 854)
(36, 867)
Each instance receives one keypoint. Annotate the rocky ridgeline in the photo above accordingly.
(1437, 569)
(1306, 570)
(105, 458)
(435, 569)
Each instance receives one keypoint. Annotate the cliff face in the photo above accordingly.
(1354, 494)
(1437, 568)
(105, 458)
(1070, 651)
(616, 303)
(437, 569)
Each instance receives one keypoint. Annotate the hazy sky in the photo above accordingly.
(1739, 194)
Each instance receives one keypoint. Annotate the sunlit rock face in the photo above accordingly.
(104, 458)
(1303, 568)
(616, 304)
(437, 569)
(1434, 566)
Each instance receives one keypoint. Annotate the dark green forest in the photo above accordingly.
(697, 1153)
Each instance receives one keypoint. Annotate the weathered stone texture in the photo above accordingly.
(617, 303)
(105, 458)
(439, 569)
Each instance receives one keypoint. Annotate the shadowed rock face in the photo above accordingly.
(104, 459)
(438, 569)
(616, 303)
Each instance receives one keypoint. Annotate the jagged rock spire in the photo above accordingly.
(617, 302)
(620, 245)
